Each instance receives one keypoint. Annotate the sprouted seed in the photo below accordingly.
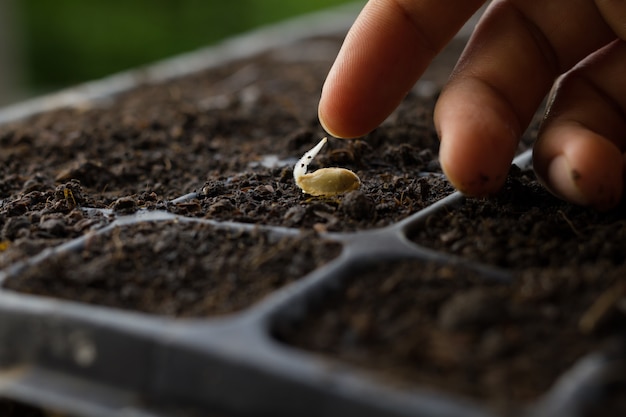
(324, 181)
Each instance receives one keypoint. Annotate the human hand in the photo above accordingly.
(515, 55)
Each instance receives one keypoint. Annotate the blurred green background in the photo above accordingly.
(50, 44)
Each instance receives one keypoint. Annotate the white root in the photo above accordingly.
(303, 163)
(325, 181)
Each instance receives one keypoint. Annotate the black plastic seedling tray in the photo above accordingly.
(68, 346)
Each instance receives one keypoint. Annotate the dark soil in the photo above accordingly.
(444, 327)
(173, 268)
(524, 227)
(43, 215)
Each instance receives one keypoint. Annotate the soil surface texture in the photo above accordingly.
(426, 325)
(525, 228)
(175, 268)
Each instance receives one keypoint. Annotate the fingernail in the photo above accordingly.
(563, 181)
(324, 124)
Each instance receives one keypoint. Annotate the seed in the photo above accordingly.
(325, 181)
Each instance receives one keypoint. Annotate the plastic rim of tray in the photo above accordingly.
(97, 361)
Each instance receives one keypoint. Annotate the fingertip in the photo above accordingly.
(387, 49)
(335, 125)
(580, 167)
(478, 141)
(326, 125)
(344, 113)
(561, 180)
(601, 189)
(473, 175)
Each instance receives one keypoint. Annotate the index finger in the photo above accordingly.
(387, 49)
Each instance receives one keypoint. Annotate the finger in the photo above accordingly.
(387, 49)
(579, 153)
(614, 13)
(510, 63)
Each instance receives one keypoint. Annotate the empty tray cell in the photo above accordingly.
(525, 227)
(425, 325)
(174, 268)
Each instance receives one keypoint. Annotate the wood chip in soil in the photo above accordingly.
(45, 215)
(420, 324)
(175, 268)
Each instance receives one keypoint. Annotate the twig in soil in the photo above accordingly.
(117, 243)
(257, 262)
(69, 196)
(601, 307)
(569, 223)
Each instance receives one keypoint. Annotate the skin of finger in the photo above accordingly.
(512, 59)
(584, 168)
(586, 125)
(478, 165)
(386, 50)
(614, 13)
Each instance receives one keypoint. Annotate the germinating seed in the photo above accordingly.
(325, 181)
